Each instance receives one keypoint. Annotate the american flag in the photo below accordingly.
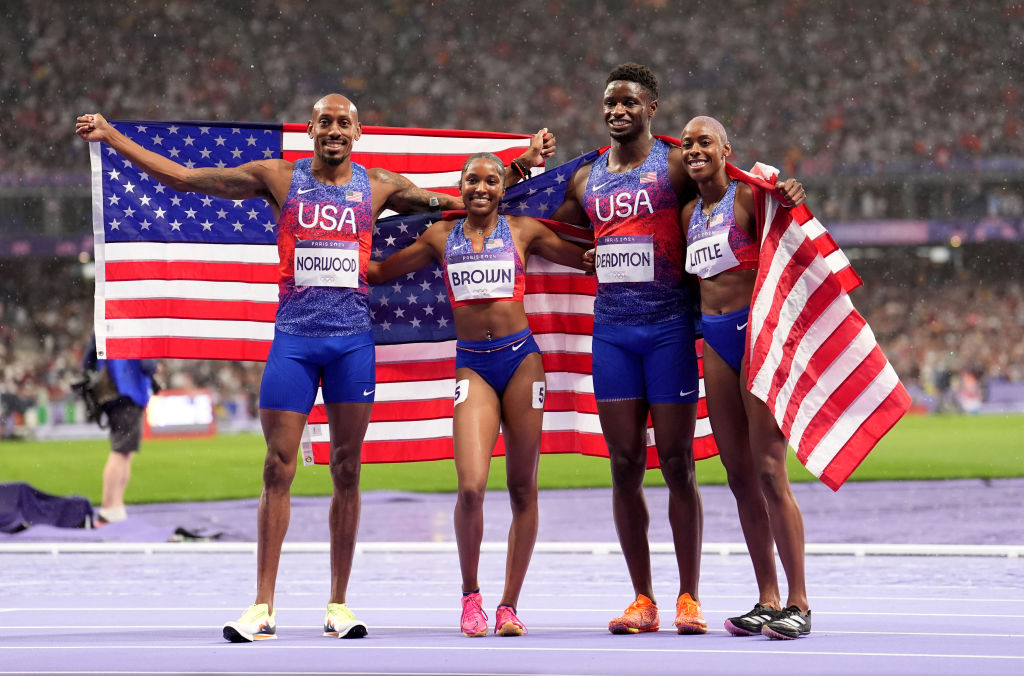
(183, 275)
(195, 277)
(813, 359)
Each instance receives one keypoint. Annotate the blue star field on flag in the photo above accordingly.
(138, 208)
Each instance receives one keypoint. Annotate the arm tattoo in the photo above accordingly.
(407, 197)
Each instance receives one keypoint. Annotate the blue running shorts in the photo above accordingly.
(495, 360)
(727, 334)
(656, 362)
(345, 366)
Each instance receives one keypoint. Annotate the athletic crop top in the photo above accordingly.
(639, 244)
(715, 244)
(323, 240)
(496, 273)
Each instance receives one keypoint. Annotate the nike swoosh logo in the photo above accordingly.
(598, 187)
(740, 327)
(303, 192)
(367, 393)
(687, 393)
(516, 347)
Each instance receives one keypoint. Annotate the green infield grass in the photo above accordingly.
(228, 467)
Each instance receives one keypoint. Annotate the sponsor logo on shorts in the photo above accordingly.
(367, 393)
(740, 327)
(519, 345)
(686, 393)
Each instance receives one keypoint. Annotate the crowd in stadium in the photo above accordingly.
(816, 88)
(963, 334)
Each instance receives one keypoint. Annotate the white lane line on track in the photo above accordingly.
(333, 672)
(596, 548)
(536, 629)
(523, 647)
(304, 672)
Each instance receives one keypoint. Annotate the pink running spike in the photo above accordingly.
(507, 624)
(474, 619)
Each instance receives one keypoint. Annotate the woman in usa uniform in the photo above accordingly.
(498, 370)
(722, 251)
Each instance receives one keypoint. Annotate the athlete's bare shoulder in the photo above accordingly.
(743, 207)
(521, 222)
(382, 175)
(572, 210)
(436, 236)
(683, 185)
(390, 180)
(276, 168)
(580, 178)
(275, 174)
(525, 228)
(687, 211)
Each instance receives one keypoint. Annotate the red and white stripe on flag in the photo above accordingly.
(813, 359)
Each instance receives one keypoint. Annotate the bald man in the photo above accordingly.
(325, 208)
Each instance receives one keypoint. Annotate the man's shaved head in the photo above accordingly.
(334, 100)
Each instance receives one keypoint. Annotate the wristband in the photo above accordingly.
(523, 170)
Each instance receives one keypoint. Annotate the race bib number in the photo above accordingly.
(324, 262)
(461, 391)
(625, 258)
(482, 275)
(707, 256)
(538, 394)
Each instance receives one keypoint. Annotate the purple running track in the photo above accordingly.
(161, 613)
